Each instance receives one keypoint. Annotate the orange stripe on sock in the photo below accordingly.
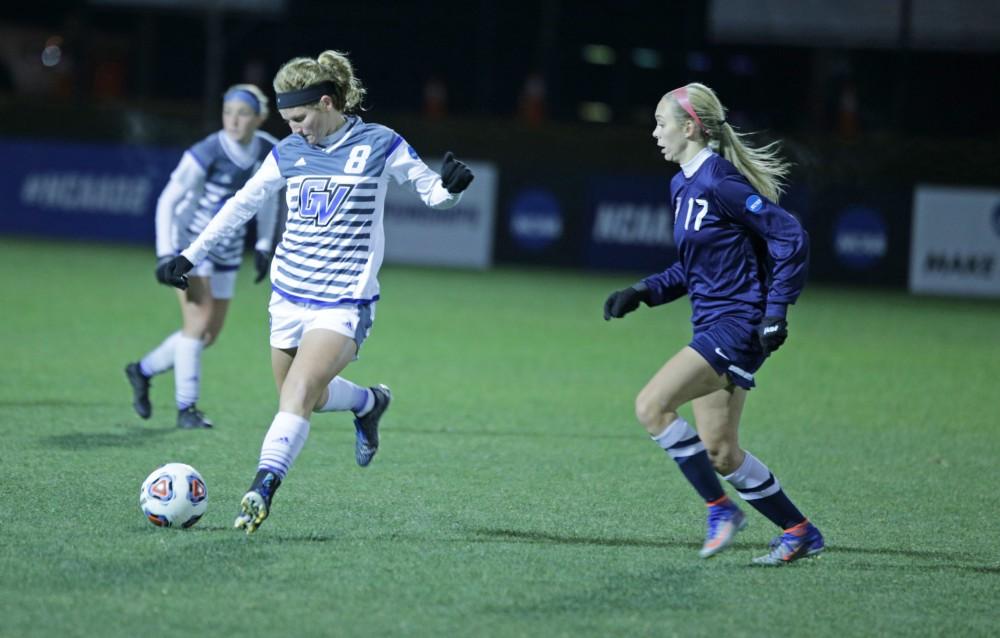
(799, 529)
(718, 501)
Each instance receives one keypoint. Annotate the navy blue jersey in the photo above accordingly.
(740, 255)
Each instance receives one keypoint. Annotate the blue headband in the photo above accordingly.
(243, 96)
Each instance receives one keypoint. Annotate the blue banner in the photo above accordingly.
(82, 191)
(631, 224)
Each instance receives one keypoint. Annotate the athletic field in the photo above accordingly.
(514, 493)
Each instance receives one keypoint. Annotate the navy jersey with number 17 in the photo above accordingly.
(740, 255)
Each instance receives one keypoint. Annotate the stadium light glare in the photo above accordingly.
(646, 58)
(51, 55)
(595, 112)
(600, 54)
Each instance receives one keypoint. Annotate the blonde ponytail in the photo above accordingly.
(763, 167)
(330, 66)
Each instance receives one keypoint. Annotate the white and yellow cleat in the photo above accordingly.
(256, 504)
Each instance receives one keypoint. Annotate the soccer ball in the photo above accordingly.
(174, 495)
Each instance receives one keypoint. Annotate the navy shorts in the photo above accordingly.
(731, 348)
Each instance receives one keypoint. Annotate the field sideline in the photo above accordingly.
(514, 493)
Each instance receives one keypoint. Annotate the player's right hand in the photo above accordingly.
(771, 333)
(262, 264)
(621, 302)
(172, 271)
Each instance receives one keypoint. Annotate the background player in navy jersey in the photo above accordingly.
(742, 262)
(208, 174)
(324, 275)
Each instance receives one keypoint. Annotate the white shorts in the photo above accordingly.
(222, 281)
(289, 321)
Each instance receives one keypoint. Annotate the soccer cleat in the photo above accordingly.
(366, 427)
(256, 503)
(191, 418)
(797, 542)
(140, 390)
(725, 519)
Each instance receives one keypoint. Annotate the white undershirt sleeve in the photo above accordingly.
(176, 204)
(238, 209)
(405, 168)
(266, 219)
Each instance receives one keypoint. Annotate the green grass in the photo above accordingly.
(514, 493)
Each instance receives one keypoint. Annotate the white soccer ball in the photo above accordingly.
(174, 495)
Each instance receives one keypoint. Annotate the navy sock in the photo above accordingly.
(758, 487)
(778, 509)
(698, 470)
(681, 442)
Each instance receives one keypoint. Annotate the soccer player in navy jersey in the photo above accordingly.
(336, 168)
(208, 174)
(742, 262)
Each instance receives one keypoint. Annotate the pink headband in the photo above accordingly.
(681, 95)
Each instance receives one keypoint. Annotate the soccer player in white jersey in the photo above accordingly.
(209, 173)
(336, 168)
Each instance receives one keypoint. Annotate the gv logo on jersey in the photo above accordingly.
(755, 203)
(320, 198)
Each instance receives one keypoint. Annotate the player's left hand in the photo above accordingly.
(262, 262)
(455, 175)
(771, 333)
(174, 272)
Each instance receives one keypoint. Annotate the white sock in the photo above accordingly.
(161, 358)
(679, 440)
(345, 395)
(752, 479)
(283, 442)
(187, 371)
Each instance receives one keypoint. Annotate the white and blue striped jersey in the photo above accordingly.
(209, 173)
(333, 244)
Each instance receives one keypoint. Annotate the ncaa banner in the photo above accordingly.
(82, 191)
(631, 224)
(955, 247)
(461, 236)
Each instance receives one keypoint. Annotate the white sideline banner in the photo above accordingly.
(461, 236)
(955, 244)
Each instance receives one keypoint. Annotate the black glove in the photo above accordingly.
(159, 264)
(455, 175)
(621, 302)
(262, 262)
(771, 333)
(173, 272)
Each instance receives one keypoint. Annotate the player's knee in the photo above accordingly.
(650, 414)
(724, 456)
(197, 329)
(211, 335)
(297, 395)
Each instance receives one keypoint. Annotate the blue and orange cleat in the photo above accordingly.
(800, 541)
(724, 521)
(366, 427)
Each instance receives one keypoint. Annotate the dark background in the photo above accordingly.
(870, 98)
